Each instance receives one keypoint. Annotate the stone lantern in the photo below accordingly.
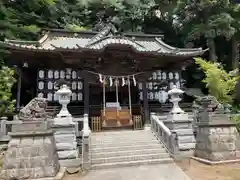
(174, 94)
(64, 95)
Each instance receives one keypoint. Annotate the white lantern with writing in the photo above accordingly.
(64, 96)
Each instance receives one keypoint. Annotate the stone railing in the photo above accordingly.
(5, 128)
(167, 137)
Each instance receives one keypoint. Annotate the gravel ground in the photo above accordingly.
(199, 171)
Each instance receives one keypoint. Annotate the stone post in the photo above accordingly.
(217, 138)
(86, 132)
(3, 126)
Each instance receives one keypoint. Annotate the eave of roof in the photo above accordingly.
(98, 41)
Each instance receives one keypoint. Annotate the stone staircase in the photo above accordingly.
(126, 148)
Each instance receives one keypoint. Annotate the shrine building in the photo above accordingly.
(111, 75)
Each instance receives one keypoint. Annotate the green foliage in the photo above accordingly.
(208, 18)
(221, 84)
(7, 80)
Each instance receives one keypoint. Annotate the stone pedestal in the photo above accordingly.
(182, 125)
(66, 142)
(31, 153)
(217, 138)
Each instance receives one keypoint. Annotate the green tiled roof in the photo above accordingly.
(58, 40)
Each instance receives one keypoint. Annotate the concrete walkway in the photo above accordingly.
(150, 172)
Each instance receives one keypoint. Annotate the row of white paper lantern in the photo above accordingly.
(163, 75)
(52, 85)
(53, 97)
(153, 86)
(58, 74)
(161, 96)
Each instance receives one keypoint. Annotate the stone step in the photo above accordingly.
(129, 158)
(132, 163)
(128, 152)
(119, 140)
(123, 136)
(67, 154)
(127, 147)
(107, 133)
(123, 143)
(181, 132)
(186, 139)
(186, 146)
(71, 162)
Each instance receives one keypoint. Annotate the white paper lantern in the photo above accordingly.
(55, 97)
(178, 85)
(50, 85)
(41, 85)
(164, 76)
(74, 75)
(140, 86)
(62, 74)
(151, 95)
(163, 96)
(155, 85)
(141, 95)
(74, 85)
(80, 97)
(49, 96)
(56, 74)
(150, 86)
(154, 75)
(41, 74)
(80, 85)
(148, 95)
(40, 95)
(68, 73)
(55, 86)
(176, 75)
(50, 74)
(74, 97)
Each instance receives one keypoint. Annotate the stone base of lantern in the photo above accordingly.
(66, 141)
(183, 126)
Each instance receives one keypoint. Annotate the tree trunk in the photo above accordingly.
(235, 53)
(212, 49)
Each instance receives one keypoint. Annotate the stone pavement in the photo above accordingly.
(151, 172)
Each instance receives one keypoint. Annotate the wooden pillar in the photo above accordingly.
(19, 88)
(145, 104)
(86, 93)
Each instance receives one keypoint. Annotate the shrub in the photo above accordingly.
(7, 80)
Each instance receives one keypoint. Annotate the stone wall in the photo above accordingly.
(217, 142)
(30, 156)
